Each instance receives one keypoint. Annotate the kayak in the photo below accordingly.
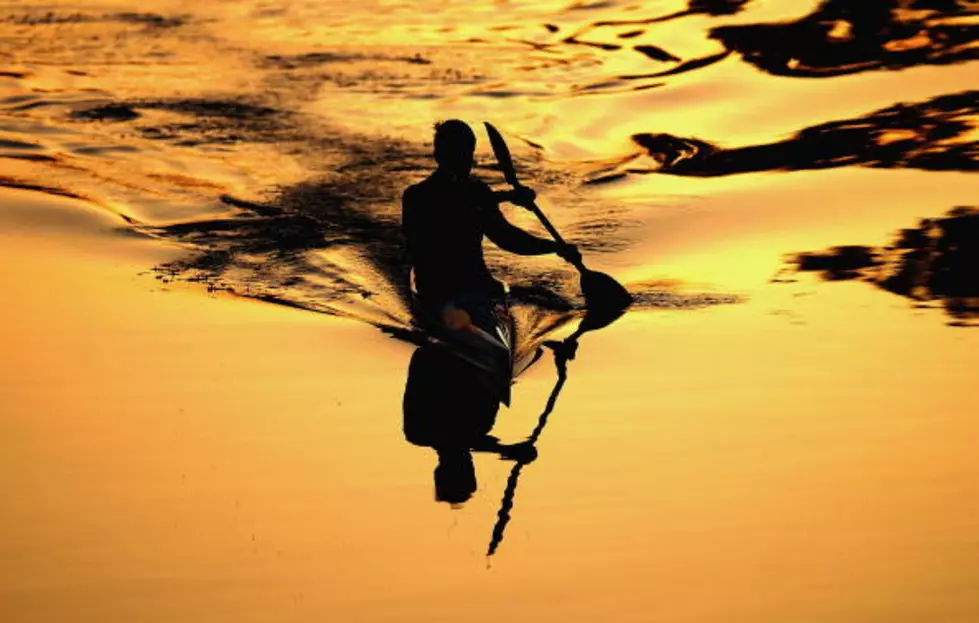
(487, 343)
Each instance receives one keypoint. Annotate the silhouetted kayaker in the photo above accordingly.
(444, 219)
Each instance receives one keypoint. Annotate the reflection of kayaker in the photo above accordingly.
(450, 408)
(445, 218)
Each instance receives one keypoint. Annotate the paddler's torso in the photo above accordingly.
(443, 225)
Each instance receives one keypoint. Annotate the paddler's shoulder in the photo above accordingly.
(477, 184)
(427, 186)
(415, 192)
(479, 188)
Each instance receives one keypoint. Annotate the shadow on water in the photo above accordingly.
(936, 261)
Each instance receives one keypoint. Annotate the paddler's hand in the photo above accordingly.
(457, 319)
(523, 452)
(523, 196)
(568, 252)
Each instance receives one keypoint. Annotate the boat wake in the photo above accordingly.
(333, 245)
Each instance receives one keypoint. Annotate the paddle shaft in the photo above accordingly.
(580, 265)
(546, 223)
(601, 291)
(502, 153)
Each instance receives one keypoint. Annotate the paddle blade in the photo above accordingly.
(502, 153)
(605, 300)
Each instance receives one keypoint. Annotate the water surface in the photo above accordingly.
(201, 214)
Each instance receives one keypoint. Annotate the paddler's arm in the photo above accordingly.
(511, 238)
(409, 223)
(499, 230)
(517, 196)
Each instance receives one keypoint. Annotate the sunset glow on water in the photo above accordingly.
(207, 336)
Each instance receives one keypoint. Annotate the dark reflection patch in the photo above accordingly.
(938, 260)
(848, 36)
(47, 17)
(932, 135)
(198, 121)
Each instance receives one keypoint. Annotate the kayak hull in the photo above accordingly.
(487, 345)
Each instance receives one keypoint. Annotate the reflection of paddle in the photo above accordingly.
(562, 352)
(605, 298)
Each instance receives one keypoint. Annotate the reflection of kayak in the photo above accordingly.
(487, 343)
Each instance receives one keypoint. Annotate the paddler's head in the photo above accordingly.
(455, 144)
(455, 476)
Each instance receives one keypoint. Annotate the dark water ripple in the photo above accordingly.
(931, 135)
(844, 37)
(938, 260)
(49, 17)
(839, 37)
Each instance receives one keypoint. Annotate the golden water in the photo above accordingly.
(751, 443)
